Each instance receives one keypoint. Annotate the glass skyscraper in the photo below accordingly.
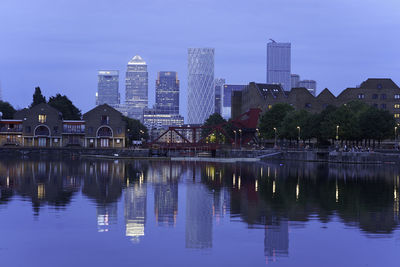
(201, 91)
(137, 85)
(107, 88)
(278, 64)
(167, 92)
(310, 85)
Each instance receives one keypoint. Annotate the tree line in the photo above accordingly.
(354, 123)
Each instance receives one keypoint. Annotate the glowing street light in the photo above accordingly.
(337, 132)
(298, 128)
(275, 137)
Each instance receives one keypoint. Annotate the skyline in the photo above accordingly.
(337, 44)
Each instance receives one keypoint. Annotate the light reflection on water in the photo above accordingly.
(247, 208)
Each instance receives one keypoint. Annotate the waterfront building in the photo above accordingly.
(380, 93)
(218, 85)
(108, 88)
(279, 64)
(227, 98)
(201, 91)
(167, 92)
(136, 87)
(310, 85)
(104, 127)
(295, 79)
(153, 118)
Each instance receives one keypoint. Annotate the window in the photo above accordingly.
(375, 105)
(119, 130)
(90, 130)
(269, 106)
(383, 96)
(383, 106)
(396, 96)
(396, 105)
(361, 96)
(42, 118)
(397, 115)
(104, 119)
(55, 128)
(28, 129)
(375, 96)
(379, 86)
(307, 105)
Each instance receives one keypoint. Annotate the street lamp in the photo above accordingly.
(235, 137)
(298, 137)
(337, 132)
(395, 136)
(240, 140)
(275, 137)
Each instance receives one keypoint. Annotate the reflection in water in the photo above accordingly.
(135, 210)
(264, 196)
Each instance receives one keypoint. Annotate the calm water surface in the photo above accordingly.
(155, 213)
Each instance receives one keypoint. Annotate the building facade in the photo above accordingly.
(310, 85)
(295, 79)
(167, 92)
(136, 87)
(108, 88)
(226, 102)
(104, 127)
(201, 91)
(380, 93)
(218, 86)
(43, 126)
(279, 64)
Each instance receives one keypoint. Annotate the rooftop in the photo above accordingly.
(137, 60)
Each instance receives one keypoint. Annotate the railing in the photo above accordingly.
(10, 130)
(70, 131)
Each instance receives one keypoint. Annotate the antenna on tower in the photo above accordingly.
(272, 40)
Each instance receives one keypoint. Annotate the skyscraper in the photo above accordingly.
(295, 79)
(167, 92)
(310, 85)
(218, 85)
(201, 91)
(278, 64)
(136, 82)
(107, 87)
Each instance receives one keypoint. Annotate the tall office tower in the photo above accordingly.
(227, 98)
(135, 210)
(167, 92)
(137, 87)
(201, 91)
(107, 87)
(295, 79)
(218, 85)
(276, 239)
(310, 85)
(278, 64)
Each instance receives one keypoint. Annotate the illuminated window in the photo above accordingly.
(396, 105)
(396, 96)
(361, 96)
(269, 106)
(397, 115)
(42, 118)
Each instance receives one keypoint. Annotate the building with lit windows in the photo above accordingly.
(136, 87)
(380, 93)
(218, 85)
(108, 88)
(167, 92)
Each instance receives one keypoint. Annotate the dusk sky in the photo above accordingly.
(60, 45)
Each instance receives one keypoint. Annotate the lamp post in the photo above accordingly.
(298, 137)
(240, 139)
(235, 137)
(337, 132)
(258, 135)
(275, 137)
(395, 136)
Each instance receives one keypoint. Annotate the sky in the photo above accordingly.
(60, 45)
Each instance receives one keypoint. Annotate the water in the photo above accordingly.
(160, 213)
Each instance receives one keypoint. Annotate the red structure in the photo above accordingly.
(237, 132)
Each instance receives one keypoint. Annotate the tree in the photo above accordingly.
(376, 124)
(213, 120)
(38, 97)
(296, 125)
(7, 110)
(65, 106)
(273, 119)
(135, 130)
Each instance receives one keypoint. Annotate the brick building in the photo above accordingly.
(380, 93)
